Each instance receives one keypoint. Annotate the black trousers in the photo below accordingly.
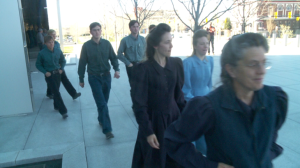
(129, 71)
(211, 41)
(53, 82)
(67, 84)
(40, 46)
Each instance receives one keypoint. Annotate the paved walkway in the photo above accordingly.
(46, 128)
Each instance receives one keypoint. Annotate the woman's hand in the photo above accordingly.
(222, 165)
(153, 142)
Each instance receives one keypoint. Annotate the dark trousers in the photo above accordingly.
(100, 85)
(211, 41)
(67, 84)
(54, 82)
(129, 71)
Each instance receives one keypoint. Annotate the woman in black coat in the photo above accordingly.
(240, 119)
(157, 99)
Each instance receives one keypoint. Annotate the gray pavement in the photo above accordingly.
(44, 135)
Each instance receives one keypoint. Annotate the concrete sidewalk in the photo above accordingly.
(78, 140)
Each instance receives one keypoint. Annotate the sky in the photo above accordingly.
(87, 11)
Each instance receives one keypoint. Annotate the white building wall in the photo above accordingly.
(15, 97)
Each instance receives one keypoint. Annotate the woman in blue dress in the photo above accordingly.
(198, 71)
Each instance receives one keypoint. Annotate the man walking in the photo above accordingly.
(132, 48)
(212, 38)
(64, 79)
(96, 53)
(51, 62)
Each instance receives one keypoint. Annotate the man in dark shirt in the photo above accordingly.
(212, 38)
(51, 62)
(64, 79)
(40, 39)
(95, 53)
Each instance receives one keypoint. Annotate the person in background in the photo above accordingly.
(211, 31)
(51, 62)
(198, 71)
(157, 99)
(96, 54)
(40, 39)
(132, 49)
(64, 79)
(151, 27)
(240, 119)
(45, 32)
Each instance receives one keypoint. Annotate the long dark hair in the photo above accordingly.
(234, 50)
(154, 39)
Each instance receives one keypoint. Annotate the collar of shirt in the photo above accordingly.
(198, 60)
(95, 42)
(159, 69)
(133, 38)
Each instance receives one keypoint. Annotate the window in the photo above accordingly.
(280, 7)
(289, 8)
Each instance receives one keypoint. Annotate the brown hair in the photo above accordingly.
(94, 24)
(155, 38)
(198, 34)
(48, 38)
(132, 22)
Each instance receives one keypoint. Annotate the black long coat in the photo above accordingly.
(157, 101)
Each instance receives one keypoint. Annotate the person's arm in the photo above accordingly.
(139, 96)
(39, 63)
(82, 63)
(179, 96)
(62, 60)
(113, 58)
(212, 68)
(282, 107)
(187, 87)
(197, 119)
(121, 50)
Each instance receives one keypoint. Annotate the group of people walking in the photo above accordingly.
(183, 121)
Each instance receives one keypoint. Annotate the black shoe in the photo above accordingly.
(65, 116)
(50, 96)
(76, 95)
(109, 135)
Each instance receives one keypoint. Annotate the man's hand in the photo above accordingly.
(81, 84)
(222, 165)
(117, 75)
(60, 71)
(153, 142)
(130, 65)
(47, 74)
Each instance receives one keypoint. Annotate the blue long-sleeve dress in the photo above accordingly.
(197, 76)
(198, 82)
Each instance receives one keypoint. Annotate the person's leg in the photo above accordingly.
(209, 46)
(103, 117)
(67, 84)
(129, 74)
(48, 93)
(54, 81)
(212, 44)
(201, 145)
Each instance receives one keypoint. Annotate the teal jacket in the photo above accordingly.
(48, 61)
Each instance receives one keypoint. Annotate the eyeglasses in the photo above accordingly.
(256, 65)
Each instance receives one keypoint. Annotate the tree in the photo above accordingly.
(270, 26)
(286, 30)
(249, 9)
(142, 9)
(227, 25)
(198, 8)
